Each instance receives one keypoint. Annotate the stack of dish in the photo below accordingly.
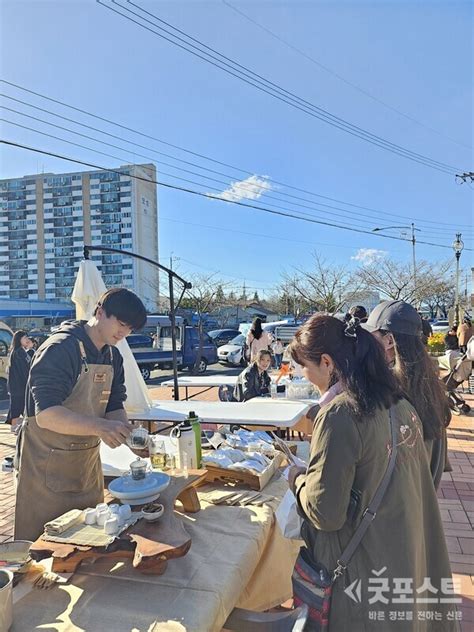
(139, 492)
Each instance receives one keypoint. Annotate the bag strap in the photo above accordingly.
(371, 511)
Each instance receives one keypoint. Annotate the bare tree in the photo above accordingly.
(325, 286)
(206, 295)
(394, 280)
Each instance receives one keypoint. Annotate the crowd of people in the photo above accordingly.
(380, 396)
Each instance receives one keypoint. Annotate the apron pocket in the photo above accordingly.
(76, 470)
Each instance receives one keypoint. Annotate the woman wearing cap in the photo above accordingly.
(397, 326)
(351, 448)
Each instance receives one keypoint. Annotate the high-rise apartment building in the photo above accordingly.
(46, 219)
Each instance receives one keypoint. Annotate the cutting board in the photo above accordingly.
(148, 544)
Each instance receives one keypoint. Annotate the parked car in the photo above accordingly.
(155, 351)
(223, 336)
(233, 352)
(440, 327)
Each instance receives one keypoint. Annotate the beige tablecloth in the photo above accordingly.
(238, 557)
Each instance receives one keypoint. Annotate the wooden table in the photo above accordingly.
(149, 545)
(238, 557)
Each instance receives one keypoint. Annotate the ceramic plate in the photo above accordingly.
(126, 489)
(144, 500)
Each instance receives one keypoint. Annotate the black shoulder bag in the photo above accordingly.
(312, 582)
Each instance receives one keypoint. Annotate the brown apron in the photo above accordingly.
(59, 472)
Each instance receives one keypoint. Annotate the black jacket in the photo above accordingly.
(57, 366)
(18, 370)
(251, 384)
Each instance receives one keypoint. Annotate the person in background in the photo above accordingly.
(358, 311)
(426, 329)
(254, 381)
(277, 348)
(74, 399)
(398, 327)
(464, 333)
(451, 340)
(350, 450)
(21, 352)
(257, 339)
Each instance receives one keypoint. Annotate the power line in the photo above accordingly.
(273, 89)
(314, 61)
(301, 215)
(419, 221)
(200, 194)
(249, 188)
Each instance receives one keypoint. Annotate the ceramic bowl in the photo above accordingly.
(15, 555)
(132, 492)
(152, 511)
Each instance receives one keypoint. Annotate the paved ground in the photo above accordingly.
(456, 499)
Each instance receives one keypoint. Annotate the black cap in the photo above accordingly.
(395, 316)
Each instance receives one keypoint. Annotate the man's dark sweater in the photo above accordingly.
(57, 366)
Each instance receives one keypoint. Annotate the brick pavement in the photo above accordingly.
(456, 499)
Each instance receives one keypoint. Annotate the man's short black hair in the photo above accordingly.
(124, 305)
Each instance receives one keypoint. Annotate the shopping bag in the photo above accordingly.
(288, 517)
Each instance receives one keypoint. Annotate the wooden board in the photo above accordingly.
(149, 544)
(254, 481)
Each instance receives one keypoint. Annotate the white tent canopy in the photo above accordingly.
(88, 288)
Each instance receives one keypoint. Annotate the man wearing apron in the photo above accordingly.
(74, 399)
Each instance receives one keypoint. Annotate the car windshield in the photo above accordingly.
(238, 340)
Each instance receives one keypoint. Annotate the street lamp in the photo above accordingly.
(413, 242)
(458, 246)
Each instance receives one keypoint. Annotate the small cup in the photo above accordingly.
(125, 511)
(114, 508)
(101, 507)
(111, 525)
(102, 517)
(90, 516)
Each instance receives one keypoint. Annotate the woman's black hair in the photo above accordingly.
(256, 329)
(360, 364)
(418, 377)
(16, 340)
(124, 305)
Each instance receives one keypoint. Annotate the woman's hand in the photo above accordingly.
(293, 473)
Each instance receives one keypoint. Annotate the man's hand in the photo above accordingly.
(293, 473)
(114, 432)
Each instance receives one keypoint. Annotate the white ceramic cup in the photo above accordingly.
(6, 600)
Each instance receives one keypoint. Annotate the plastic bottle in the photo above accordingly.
(186, 440)
(273, 390)
(196, 426)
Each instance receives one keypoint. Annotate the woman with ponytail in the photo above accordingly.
(398, 328)
(351, 448)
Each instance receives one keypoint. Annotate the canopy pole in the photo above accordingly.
(171, 276)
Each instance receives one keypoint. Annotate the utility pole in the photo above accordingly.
(413, 243)
(467, 176)
(413, 228)
(458, 246)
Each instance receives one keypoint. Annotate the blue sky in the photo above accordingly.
(414, 56)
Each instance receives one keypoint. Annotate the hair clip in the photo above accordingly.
(351, 328)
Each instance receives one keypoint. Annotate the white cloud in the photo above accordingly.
(369, 255)
(251, 188)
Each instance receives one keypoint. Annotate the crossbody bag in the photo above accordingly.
(312, 582)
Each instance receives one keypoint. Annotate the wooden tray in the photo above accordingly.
(149, 544)
(255, 481)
